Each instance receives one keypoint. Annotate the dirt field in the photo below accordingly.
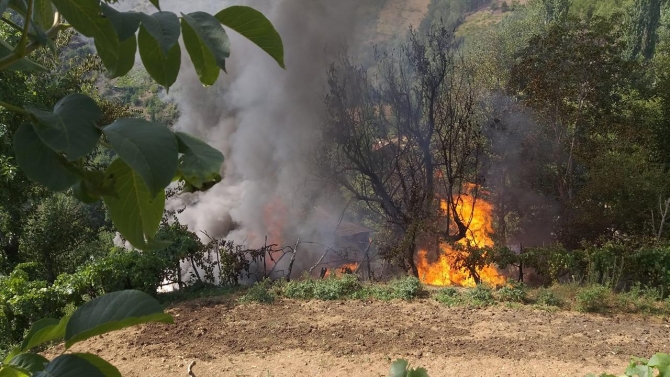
(358, 338)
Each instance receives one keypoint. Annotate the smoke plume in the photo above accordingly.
(263, 118)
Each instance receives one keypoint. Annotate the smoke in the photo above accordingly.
(263, 118)
(517, 152)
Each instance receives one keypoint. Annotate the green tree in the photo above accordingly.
(52, 146)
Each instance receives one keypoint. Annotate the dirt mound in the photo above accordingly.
(360, 338)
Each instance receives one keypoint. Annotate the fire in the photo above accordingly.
(347, 268)
(478, 213)
(274, 217)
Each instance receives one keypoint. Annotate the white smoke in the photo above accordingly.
(263, 118)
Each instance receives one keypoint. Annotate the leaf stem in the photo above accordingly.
(21, 47)
(13, 108)
(15, 56)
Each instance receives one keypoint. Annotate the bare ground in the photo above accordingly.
(360, 338)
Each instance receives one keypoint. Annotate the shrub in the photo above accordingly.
(336, 288)
(259, 292)
(515, 293)
(481, 295)
(546, 297)
(299, 289)
(406, 288)
(592, 299)
(449, 296)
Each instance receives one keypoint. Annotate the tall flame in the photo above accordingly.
(443, 272)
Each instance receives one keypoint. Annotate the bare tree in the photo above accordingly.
(404, 140)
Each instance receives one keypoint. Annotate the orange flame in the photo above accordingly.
(274, 217)
(347, 268)
(443, 272)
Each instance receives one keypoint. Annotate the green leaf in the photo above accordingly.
(37, 327)
(163, 27)
(211, 34)
(30, 362)
(10, 371)
(399, 368)
(253, 25)
(640, 370)
(24, 64)
(661, 361)
(418, 372)
(71, 127)
(134, 211)
(70, 365)
(83, 15)
(39, 162)
(107, 369)
(155, 3)
(15, 351)
(111, 312)
(203, 60)
(3, 6)
(43, 13)
(163, 69)
(118, 57)
(125, 23)
(44, 331)
(148, 148)
(199, 163)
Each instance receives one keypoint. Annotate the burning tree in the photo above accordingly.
(404, 141)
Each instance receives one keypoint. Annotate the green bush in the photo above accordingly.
(592, 299)
(259, 292)
(481, 295)
(449, 296)
(546, 297)
(406, 288)
(515, 293)
(299, 289)
(336, 288)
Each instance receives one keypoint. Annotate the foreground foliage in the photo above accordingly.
(111, 312)
(52, 144)
(645, 367)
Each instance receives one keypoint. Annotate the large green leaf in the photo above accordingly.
(156, 4)
(125, 23)
(164, 69)
(399, 368)
(70, 365)
(24, 64)
(256, 27)
(118, 57)
(662, 362)
(149, 148)
(203, 60)
(44, 331)
(39, 162)
(199, 163)
(31, 362)
(212, 35)
(71, 127)
(134, 211)
(111, 312)
(44, 13)
(107, 369)
(10, 371)
(163, 27)
(83, 15)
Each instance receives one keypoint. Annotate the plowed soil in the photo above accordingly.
(360, 338)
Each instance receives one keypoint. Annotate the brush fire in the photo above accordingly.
(444, 271)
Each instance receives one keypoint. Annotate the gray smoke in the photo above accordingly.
(264, 119)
